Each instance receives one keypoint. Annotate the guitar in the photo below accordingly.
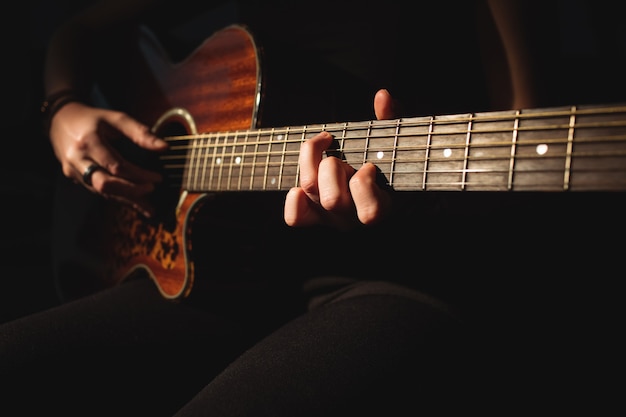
(209, 120)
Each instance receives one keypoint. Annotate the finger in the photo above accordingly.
(123, 191)
(311, 154)
(138, 133)
(112, 161)
(334, 194)
(300, 210)
(384, 105)
(135, 131)
(372, 203)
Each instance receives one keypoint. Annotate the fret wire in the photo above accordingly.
(201, 148)
(467, 143)
(190, 170)
(513, 149)
(232, 159)
(199, 177)
(343, 140)
(220, 162)
(326, 152)
(256, 149)
(302, 139)
(243, 159)
(427, 153)
(282, 159)
(212, 167)
(367, 141)
(267, 158)
(394, 152)
(570, 144)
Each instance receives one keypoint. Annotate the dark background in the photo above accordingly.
(582, 56)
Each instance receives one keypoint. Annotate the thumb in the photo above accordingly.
(136, 131)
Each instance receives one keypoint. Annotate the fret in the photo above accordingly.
(367, 141)
(466, 157)
(600, 147)
(201, 162)
(370, 141)
(274, 159)
(268, 148)
(239, 159)
(220, 162)
(447, 153)
(245, 153)
(190, 172)
(208, 180)
(283, 153)
(394, 154)
(262, 155)
(400, 156)
(234, 163)
(252, 171)
(427, 152)
(313, 130)
(342, 143)
(490, 154)
(243, 162)
(570, 144)
(293, 168)
(509, 184)
(542, 150)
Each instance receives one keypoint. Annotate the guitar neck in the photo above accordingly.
(552, 149)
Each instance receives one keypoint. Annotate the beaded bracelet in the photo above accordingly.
(53, 103)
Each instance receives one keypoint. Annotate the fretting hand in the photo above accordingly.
(331, 192)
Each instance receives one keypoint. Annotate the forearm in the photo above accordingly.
(68, 64)
(76, 44)
(512, 22)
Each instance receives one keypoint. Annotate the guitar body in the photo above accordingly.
(216, 88)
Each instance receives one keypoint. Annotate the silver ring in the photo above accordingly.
(89, 172)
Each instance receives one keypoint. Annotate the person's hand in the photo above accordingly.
(331, 192)
(81, 138)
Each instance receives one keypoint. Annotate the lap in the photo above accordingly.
(129, 351)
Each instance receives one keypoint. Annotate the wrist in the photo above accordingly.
(52, 103)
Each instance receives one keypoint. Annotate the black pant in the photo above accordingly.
(365, 347)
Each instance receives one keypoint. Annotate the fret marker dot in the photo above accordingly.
(542, 149)
(218, 161)
(279, 137)
(238, 160)
(273, 181)
(447, 152)
(380, 154)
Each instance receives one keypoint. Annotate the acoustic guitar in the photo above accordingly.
(210, 123)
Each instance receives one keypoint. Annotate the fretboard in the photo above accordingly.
(552, 149)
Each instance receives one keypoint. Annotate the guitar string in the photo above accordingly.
(619, 139)
(408, 124)
(477, 118)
